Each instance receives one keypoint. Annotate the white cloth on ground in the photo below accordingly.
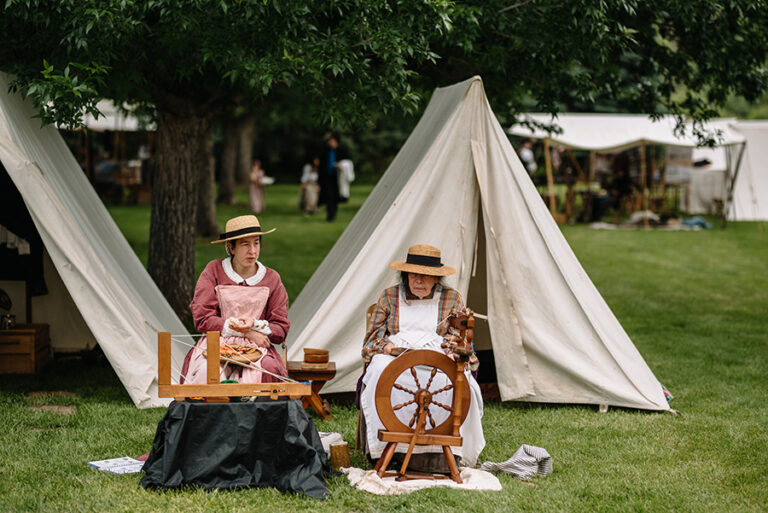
(328, 439)
(527, 462)
(369, 481)
(418, 321)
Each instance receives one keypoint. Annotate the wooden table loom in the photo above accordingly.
(214, 390)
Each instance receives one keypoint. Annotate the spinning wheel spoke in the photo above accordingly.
(444, 389)
(415, 377)
(413, 419)
(403, 404)
(401, 387)
(431, 377)
(431, 420)
(441, 405)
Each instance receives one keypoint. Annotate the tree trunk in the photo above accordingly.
(245, 128)
(228, 162)
(206, 202)
(180, 133)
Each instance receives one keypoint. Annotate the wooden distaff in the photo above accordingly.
(464, 322)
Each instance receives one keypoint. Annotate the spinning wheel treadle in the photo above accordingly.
(423, 394)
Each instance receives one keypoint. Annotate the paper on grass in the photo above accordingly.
(124, 465)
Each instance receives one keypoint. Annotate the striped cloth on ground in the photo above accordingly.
(527, 462)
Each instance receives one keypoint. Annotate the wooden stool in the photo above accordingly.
(318, 378)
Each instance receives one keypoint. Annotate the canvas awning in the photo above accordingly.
(616, 132)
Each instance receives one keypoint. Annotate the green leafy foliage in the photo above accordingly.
(345, 55)
(655, 56)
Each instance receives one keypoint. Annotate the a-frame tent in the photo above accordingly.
(103, 279)
(458, 184)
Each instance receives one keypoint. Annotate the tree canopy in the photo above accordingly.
(355, 60)
(189, 58)
(652, 56)
(67, 54)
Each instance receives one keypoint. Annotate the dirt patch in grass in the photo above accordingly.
(55, 408)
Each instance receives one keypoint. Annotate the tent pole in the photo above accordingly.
(576, 164)
(731, 185)
(587, 198)
(550, 181)
(642, 183)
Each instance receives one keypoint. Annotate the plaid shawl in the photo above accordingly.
(386, 321)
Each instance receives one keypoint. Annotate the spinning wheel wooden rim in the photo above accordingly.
(404, 362)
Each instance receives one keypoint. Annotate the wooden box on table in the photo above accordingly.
(24, 349)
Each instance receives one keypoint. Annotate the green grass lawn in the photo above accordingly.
(695, 304)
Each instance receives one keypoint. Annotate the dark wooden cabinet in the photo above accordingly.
(24, 349)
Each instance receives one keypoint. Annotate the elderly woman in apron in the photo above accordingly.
(414, 315)
(244, 300)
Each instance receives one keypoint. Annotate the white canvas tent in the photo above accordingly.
(101, 276)
(617, 132)
(750, 192)
(458, 184)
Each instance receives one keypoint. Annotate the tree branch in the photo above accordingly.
(513, 6)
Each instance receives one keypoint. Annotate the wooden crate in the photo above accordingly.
(24, 349)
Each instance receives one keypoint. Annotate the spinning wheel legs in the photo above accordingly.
(452, 464)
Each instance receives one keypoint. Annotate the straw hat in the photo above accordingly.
(239, 227)
(423, 259)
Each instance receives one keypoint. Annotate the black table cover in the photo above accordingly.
(236, 445)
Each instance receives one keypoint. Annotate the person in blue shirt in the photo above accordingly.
(328, 171)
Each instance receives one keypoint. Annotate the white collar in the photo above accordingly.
(261, 271)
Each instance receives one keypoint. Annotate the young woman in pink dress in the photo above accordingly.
(244, 300)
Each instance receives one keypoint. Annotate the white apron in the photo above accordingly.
(418, 322)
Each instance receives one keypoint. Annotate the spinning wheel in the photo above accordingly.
(433, 376)
(424, 395)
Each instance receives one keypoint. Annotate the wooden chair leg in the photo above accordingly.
(386, 457)
(452, 464)
(357, 433)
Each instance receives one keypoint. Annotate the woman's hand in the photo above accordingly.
(387, 349)
(260, 339)
(244, 325)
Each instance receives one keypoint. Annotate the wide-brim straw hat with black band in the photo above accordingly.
(423, 259)
(239, 227)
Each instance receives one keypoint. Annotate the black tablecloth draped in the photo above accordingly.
(236, 445)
